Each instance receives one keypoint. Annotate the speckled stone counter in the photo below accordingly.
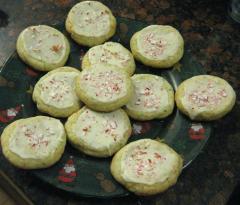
(212, 38)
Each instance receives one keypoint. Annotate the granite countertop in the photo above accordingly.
(210, 35)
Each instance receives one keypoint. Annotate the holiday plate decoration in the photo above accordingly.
(9, 114)
(196, 131)
(67, 173)
(88, 176)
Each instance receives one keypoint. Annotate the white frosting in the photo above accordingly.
(149, 93)
(204, 94)
(90, 18)
(36, 139)
(110, 53)
(100, 130)
(105, 85)
(147, 163)
(44, 43)
(156, 42)
(58, 89)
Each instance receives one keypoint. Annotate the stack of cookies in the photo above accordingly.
(98, 100)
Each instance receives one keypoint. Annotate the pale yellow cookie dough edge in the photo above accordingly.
(129, 68)
(139, 188)
(90, 40)
(160, 64)
(38, 64)
(218, 111)
(142, 115)
(83, 146)
(51, 110)
(19, 162)
(97, 105)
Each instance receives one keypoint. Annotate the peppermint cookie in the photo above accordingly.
(146, 167)
(98, 134)
(153, 97)
(205, 97)
(105, 89)
(110, 54)
(157, 46)
(34, 143)
(90, 23)
(55, 92)
(42, 47)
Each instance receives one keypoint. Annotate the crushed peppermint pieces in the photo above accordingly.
(113, 125)
(56, 48)
(146, 97)
(153, 45)
(206, 96)
(90, 17)
(35, 139)
(108, 55)
(108, 128)
(105, 84)
(144, 162)
(57, 89)
(86, 130)
(41, 38)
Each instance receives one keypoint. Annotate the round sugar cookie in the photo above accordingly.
(104, 89)
(109, 54)
(146, 167)
(157, 46)
(34, 143)
(153, 97)
(55, 92)
(90, 23)
(96, 133)
(205, 97)
(43, 48)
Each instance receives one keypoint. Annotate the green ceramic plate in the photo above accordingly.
(87, 176)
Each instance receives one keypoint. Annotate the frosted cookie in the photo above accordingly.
(96, 133)
(205, 97)
(110, 53)
(157, 46)
(43, 47)
(104, 89)
(146, 167)
(153, 97)
(34, 143)
(55, 92)
(90, 23)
